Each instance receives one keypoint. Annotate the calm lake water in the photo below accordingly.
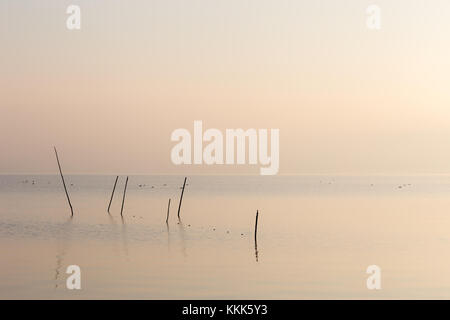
(316, 237)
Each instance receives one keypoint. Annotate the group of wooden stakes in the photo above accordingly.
(125, 191)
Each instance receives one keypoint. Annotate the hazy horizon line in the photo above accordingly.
(224, 174)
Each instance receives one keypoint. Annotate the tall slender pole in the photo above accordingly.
(256, 224)
(112, 195)
(123, 199)
(168, 210)
(181, 198)
(64, 183)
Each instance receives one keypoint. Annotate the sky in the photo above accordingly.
(346, 99)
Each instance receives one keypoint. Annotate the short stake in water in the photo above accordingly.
(181, 198)
(123, 199)
(168, 210)
(256, 224)
(256, 231)
(112, 195)
(64, 183)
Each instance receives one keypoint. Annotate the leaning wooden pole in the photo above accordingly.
(256, 224)
(168, 210)
(64, 183)
(181, 198)
(123, 199)
(112, 195)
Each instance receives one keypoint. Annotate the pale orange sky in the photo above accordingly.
(346, 99)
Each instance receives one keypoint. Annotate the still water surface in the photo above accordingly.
(316, 237)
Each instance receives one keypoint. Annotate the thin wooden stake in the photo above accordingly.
(123, 199)
(256, 224)
(112, 195)
(168, 209)
(181, 198)
(64, 183)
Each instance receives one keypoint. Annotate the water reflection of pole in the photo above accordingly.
(183, 242)
(168, 236)
(62, 248)
(124, 236)
(114, 231)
